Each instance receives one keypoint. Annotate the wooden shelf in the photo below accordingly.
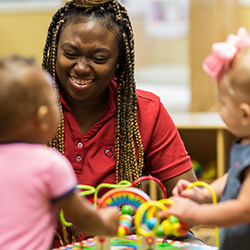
(206, 137)
(198, 120)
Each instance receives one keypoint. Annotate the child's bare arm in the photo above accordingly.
(219, 185)
(79, 211)
(200, 195)
(225, 214)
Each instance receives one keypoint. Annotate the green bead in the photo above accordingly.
(159, 231)
(173, 219)
(127, 209)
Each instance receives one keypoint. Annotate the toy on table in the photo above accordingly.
(126, 198)
(214, 198)
(149, 226)
(147, 221)
(134, 242)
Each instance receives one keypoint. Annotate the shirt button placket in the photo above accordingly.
(79, 145)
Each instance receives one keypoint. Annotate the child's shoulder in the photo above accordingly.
(32, 151)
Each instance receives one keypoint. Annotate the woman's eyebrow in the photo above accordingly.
(69, 45)
(72, 46)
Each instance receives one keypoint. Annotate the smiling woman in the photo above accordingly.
(109, 130)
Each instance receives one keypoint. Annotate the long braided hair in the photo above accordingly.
(128, 145)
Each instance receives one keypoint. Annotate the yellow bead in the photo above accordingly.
(167, 227)
(121, 231)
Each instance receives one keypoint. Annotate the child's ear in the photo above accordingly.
(42, 117)
(245, 114)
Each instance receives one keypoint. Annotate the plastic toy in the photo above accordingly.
(149, 225)
(134, 242)
(204, 184)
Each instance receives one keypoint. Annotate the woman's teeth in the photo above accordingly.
(81, 81)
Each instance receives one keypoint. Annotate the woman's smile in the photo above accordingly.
(80, 83)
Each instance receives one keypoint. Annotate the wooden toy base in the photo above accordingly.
(134, 242)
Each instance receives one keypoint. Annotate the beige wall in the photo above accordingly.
(24, 33)
(150, 50)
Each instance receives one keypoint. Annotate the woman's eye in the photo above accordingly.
(70, 54)
(99, 59)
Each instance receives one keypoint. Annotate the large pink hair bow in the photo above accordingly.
(224, 52)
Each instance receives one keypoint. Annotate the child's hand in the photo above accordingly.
(184, 209)
(195, 193)
(110, 217)
(180, 186)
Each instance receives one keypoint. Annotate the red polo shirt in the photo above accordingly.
(92, 154)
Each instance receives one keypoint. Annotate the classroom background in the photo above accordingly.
(172, 37)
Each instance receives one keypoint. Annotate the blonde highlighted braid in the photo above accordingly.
(128, 146)
(89, 3)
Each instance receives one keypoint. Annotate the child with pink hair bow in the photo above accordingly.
(224, 52)
(229, 66)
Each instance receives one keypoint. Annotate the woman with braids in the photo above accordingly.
(108, 130)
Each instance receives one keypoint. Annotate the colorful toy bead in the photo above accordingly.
(172, 226)
(151, 223)
(126, 217)
(173, 219)
(126, 209)
(159, 231)
(125, 221)
(122, 230)
(166, 227)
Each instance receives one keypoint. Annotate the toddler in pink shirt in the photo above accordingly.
(36, 180)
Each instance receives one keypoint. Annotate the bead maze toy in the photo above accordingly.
(151, 229)
(204, 184)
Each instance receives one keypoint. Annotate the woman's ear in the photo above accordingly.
(42, 116)
(245, 114)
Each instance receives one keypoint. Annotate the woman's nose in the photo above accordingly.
(82, 66)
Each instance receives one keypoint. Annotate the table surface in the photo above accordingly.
(133, 242)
